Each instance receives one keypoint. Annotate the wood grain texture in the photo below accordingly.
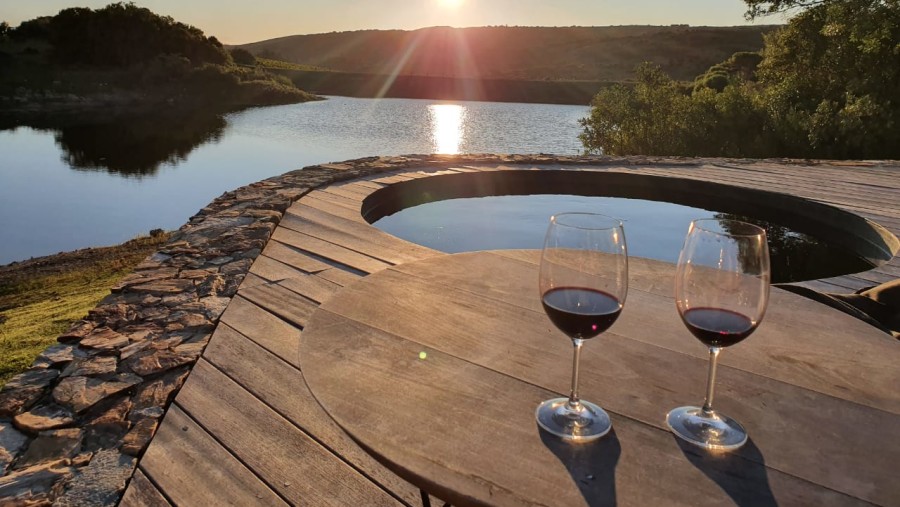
(274, 270)
(294, 465)
(282, 387)
(142, 493)
(329, 207)
(354, 236)
(282, 302)
(274, 334)
(193, 469)
(816, 358)
(339, 276)
(800, 371)
(330, 251)
(468, 435)
(313, 287)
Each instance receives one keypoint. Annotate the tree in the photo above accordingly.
(37, 28)
(831, 80)
(124, 34)
(242, 57)
(827, 86)
(757, 8)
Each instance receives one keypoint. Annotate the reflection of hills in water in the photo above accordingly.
(132, 146)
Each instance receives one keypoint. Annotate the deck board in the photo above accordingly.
(142, 493)
(256, 436)
(328, 250)
(281, 386)
(290, 461)
(193, 469)
(313, 287)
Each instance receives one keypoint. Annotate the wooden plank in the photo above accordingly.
(252, 280)
(313, 287)
(369, 184)
(193, 469)
(351, 204)
(459, 459)
(273, 270)
(354, 236)
(873, 277)
(354, 189)
(338, 191)
(849, 283)
(284, 303)
(339, 276)
(812, 190)
(293, 257)
(287, 459)
(330, 207)
(821, 286)
(389, 178)
(329, 250)
(282, 387)
(420, 173)
(817, 363)
(665, 378)
(807, 182)
(276, 335)
(142, 493)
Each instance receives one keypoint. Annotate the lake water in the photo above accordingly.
(91, 183)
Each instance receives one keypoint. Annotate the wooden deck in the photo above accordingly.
(245, 430)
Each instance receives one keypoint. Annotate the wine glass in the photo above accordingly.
(583, 284)
(721, 292)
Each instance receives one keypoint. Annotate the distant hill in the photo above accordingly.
(520, 53)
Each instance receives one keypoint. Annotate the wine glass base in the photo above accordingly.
(716, 433)
(587, 422)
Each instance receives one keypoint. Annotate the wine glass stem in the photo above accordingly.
(574, 402)
(711, 381)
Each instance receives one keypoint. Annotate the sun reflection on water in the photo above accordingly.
(447, 127)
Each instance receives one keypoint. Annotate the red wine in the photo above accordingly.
(717, 327)
(581, 313)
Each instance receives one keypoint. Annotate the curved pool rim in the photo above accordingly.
(859, 235)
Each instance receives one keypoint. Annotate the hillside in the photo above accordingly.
(125, 58)
(521, 53)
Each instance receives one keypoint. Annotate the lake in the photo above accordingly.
(84, 182)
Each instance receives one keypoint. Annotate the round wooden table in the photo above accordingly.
(435, 368)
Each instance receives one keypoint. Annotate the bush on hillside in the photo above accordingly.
(825, 86)
(242, 57)
(120, 34)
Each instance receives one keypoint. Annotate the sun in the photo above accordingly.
(450, 4)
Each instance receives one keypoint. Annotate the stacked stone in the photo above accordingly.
(73, 425)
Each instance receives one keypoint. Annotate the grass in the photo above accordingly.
(40, 298)
(268, 63)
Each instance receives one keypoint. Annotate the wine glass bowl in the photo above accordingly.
(721, 293)
(583, 283)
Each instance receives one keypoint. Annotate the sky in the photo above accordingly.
(238, 22)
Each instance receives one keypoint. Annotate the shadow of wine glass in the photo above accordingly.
(592, 465)
(742, 475)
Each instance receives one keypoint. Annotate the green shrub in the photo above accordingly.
(825, 86)
(242, 57)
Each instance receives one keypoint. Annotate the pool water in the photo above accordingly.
(653, 229)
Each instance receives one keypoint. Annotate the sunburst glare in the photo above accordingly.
(446, 127)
